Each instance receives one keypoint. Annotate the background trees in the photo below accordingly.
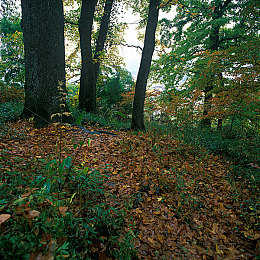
(12, 59)
(202, 33)
(193, 60)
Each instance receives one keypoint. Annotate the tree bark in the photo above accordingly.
(144, 69)
(214, 46)
(45, 87)
(102, 35)
(87, 91)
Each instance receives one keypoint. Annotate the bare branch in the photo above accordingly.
(70, 22)
(131, 46)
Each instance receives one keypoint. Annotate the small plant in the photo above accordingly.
(68, 222)
(11, 102)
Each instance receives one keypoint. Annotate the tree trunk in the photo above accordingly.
(214, 46)
(87, 91)
(144, 69)
(206, 122)
(45, 86)
(102, 35)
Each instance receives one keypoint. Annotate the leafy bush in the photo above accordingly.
(73, 95)
(61, 213)
(10, 111)
(11, 93)
(12, 51)
(11, 102)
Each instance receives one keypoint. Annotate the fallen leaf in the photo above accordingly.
(63, 210)
(251, 234)
(34, 213)
(26, 195)
(4, 217)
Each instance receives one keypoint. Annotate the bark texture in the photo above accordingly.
(45, 87)
(144, 69)
(102, 35)
(87, 91)
(214, 46)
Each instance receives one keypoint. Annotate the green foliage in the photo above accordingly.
(111, 90)
(11, 102)
(71, 219)
(109, 98)
(10, 93)
(10, 111)
(12, 53)
(73, 95)
(111, 119)
(239, 146)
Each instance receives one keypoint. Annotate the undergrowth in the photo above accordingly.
(11, 102)
(71, 219)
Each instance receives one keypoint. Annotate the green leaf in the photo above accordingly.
(79, 118)
(47, 186)
(119, 113)
(67, 161)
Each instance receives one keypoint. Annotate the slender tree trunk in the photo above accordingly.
(87, 91)
(206, 122)
(144, 69)
(45, 86)
(102, 35)
(220, 120)
(214, 46)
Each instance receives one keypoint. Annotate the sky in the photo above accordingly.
(132, 56)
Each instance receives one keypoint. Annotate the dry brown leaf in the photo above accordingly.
(63, 210)
(4, 217)
(34, 213)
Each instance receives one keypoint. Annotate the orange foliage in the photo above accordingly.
(234, 75)
(11, 94)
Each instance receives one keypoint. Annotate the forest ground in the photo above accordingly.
(181, 202)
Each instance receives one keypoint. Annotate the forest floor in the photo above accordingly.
(181, 202)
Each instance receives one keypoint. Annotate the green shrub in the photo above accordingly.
(10, 111)
(73, 95)
(11, 93)
(11, 102)
(73, 215)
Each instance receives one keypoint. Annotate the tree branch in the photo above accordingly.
(70, 22)
(131, 46)
(230, 38)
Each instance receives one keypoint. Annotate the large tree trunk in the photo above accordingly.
(144, 69)
(102, 35)
(87, 91)
(45, 87)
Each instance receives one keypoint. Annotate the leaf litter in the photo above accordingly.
(180, 203)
